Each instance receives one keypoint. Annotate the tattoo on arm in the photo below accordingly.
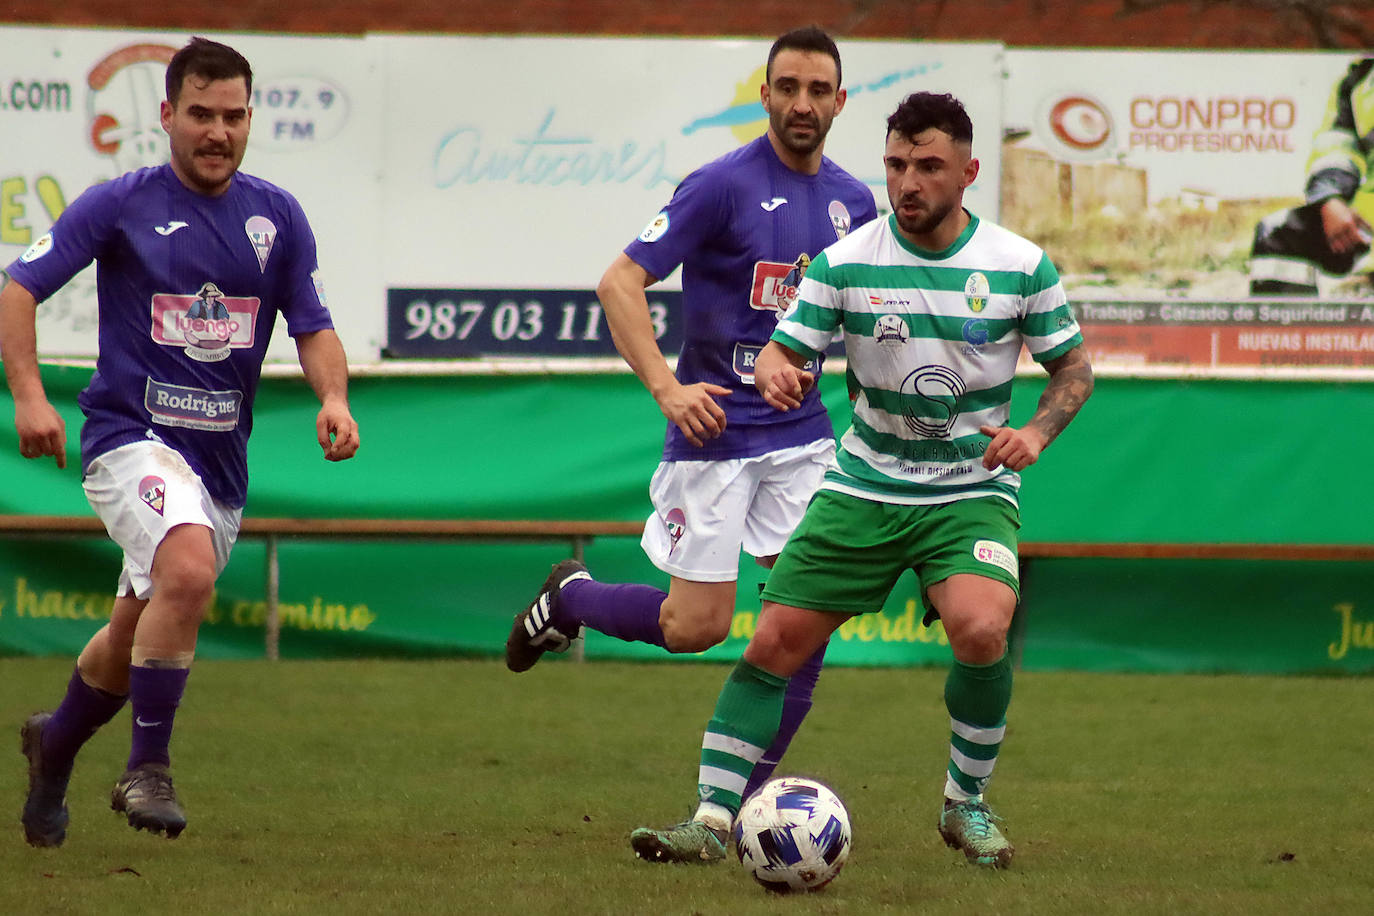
(1070, 384)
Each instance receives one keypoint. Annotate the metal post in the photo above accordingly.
(273, 614)
(579, 646)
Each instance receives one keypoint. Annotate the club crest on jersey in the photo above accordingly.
(775, 285)
(207, 325)
(839, 218)
(976, 292)
(654, 231)
(262, 232)
(891, 330)
(676, 524)
(153, 491)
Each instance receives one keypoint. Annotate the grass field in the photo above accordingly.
(456, 787)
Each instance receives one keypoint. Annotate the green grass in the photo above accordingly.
(456, 787)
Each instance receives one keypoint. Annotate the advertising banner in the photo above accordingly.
(572, 146)
(1163, 186)
(81, 106)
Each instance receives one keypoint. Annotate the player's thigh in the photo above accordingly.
(697, 527)
(845, 556)
(969, 567)
(142, 491)
(786, 481)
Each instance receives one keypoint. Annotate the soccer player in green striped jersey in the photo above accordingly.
(935, 306)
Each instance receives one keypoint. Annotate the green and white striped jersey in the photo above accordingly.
(933, 339)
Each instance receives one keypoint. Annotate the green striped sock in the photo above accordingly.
(977, 697)
(745, 723)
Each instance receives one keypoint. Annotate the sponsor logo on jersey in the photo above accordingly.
(192, 408)
(775, 285)
(207, 325)
(930, 400)
(37, 249)
(975, 332)
(995, 554)
(153, 491)
(839, 218)
(676, 524)
(656, 228)
(890, 329)
(171, 227)
(771, 205)
(976, 292)
(262, 232)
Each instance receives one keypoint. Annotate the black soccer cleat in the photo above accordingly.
(146, 797)
(45, 808)
(533, 632)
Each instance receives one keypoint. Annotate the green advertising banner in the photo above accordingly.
(1175, 461)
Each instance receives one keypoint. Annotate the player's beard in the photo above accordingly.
(925, 221)
(803, 144)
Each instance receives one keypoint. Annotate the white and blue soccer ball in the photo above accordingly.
(793, 834)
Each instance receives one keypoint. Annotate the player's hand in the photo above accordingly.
(787, 386)
(42, 431)
(1017, 449)
(337, 432)
(693, 409)
(1345, 230)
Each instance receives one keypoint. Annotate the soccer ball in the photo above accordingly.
(793, 835)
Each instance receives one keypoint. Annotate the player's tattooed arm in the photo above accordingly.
(1070, 384)
(1071, 381)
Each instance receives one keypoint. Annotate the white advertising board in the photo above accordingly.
(1226, 125)
(517, 168)
(79, 107)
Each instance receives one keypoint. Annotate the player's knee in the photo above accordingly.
(184, 581)
(694, 631)
(980, 641)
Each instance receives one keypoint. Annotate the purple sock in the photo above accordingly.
(82, 711)
(796, 703)
(154, 694)
(627, 612)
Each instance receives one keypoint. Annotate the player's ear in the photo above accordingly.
(764, 96)
(165, 112)
(970, 173)
(840, 96)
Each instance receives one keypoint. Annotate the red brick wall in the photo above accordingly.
(1021, 23)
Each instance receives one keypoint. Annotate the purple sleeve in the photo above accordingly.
(303, 304)
(73, 242)
(693, 215)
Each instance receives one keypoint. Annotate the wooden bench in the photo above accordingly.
(578, 534)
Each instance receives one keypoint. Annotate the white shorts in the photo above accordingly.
(706, 511)
(145, 489)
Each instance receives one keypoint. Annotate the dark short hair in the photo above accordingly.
(807, 38)
(208, 60)
(921, 111)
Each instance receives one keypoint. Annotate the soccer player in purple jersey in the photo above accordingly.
(194, 262)
(735, 473)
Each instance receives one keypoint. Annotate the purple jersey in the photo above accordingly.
(744, 227)
(189, 288)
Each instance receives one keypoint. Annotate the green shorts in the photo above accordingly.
(847, 552)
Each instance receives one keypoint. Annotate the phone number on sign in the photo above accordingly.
(430, 323)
